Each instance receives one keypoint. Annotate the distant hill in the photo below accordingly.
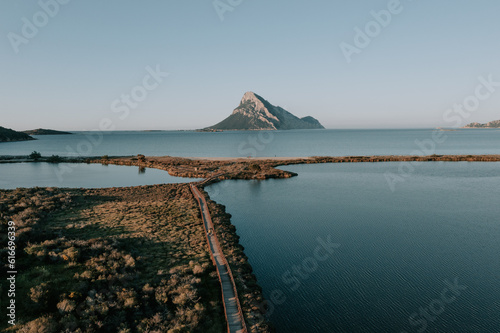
(8, 135)
(491, 124)
(42, 131)
(255, 113)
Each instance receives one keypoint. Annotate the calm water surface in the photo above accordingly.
(250, 143)
(13, 175)
(396, 251)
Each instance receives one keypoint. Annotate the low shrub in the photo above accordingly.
(35, 155)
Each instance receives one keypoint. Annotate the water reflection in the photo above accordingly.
(81, 175)
(397, 249)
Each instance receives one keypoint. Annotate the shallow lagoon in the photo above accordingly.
(398, 250)
(76, 175)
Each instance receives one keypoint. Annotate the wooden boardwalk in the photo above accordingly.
(232, 307)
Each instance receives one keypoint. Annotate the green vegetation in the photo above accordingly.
(35, 155)
(250, 293)
(240, 121)
(256, 113)
(43, 131)
(54, 159)
(6, 135)
(111, 260)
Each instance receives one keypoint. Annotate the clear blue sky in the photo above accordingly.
(91, 52)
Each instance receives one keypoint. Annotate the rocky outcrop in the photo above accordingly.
(256, 113)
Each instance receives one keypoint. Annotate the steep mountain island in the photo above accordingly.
(8, 135)
(255, 113)
(42, 131)
(491, 124)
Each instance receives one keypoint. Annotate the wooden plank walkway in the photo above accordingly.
(232, 307)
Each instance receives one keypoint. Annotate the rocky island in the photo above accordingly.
(43, 131)
(9, 135)
(256, 113)
(491, 124)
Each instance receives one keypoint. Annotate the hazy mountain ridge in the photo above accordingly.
(256, 113)
(491, 124)
(9, 135)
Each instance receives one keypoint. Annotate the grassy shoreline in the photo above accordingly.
(154, 239)
(119, 260)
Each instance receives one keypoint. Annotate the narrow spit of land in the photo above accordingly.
(241, 167)
(264, 167)
(232, 307)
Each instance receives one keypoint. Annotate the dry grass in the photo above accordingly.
(115, 260)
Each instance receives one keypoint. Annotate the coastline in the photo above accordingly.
(251, 293)
(251, 296)
(219, 169)
(142, 248)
